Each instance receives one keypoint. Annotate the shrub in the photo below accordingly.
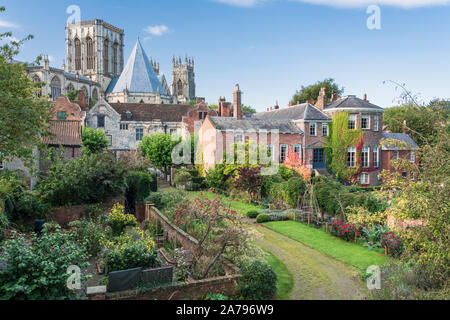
(263, 217)
(252, 214)
(139, 186)
(131, 251)
(216, 179)
(37, 270)
(267, 183)
(88, 233)
(24, 203)
(258, 282)
(288, 194)
(118, 220)
(248, 179)
(182, 178)
(343, 230)
(155, 198)
(91, 179)
(393, 243)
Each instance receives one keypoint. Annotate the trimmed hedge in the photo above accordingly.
(252, 214)
(263, 217)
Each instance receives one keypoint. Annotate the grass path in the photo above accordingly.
(355, 255)
(285, 279)
(316, 276)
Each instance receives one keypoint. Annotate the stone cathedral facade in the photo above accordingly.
(95, 64)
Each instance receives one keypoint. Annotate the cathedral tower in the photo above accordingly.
(183, 80)
(94, 49)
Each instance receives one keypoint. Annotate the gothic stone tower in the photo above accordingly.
(94, 49)
(183, 80)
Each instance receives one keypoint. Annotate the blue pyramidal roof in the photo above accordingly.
(138, 74)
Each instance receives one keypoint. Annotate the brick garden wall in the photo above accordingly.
(65, 215)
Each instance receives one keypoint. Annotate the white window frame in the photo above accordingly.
(412, 156)
(365, 151)
(281, 152)
(396, 155)
(351, 163)
(239, 138)
(124, 127)
(352, 119)
(376, 157)
(365, 117)
(311, 126)
(363, 180)
(325, 128)
(376, 123)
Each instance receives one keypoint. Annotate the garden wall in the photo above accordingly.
(182, 291)
(65, 215)
(174, 234)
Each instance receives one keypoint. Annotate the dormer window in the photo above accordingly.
(128, 115)
(62, 115)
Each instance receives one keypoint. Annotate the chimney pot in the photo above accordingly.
(365, 96)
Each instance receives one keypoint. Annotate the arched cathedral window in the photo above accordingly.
(115, 57)
(95, 94)
(106, 56)
(90, 53)
(70, 87)
(77, 54)
(55, 86)
(180, 88)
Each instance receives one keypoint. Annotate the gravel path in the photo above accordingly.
(316, 276)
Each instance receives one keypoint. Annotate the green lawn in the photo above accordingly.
(353, 254)
(240, 206)
(285, 282)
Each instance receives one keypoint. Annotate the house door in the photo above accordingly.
(319, 159)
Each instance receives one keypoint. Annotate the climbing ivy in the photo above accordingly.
(339, 140)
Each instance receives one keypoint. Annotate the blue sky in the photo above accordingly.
(270, 47)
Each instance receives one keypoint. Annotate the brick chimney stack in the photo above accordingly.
(322, 99)
(290, 104)
(237, 102)
(365, 96)
(405, 128)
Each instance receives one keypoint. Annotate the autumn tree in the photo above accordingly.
(24, 117)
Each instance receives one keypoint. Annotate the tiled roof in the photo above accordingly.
(138, 75)
(304, 111)
(66, 133)
(249, 124)
(352, 102)
(150, 112)
(403, 137)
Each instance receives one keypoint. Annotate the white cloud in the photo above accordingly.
(362, 3)
(241, 3)
(7, 24)
(157, 30)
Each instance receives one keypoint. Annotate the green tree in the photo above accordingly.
(94, 141)
(424, 202)
(72, 95)
(311, 92)
(422, 122)
(158, 149)
(248, 109)
(24, 117)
